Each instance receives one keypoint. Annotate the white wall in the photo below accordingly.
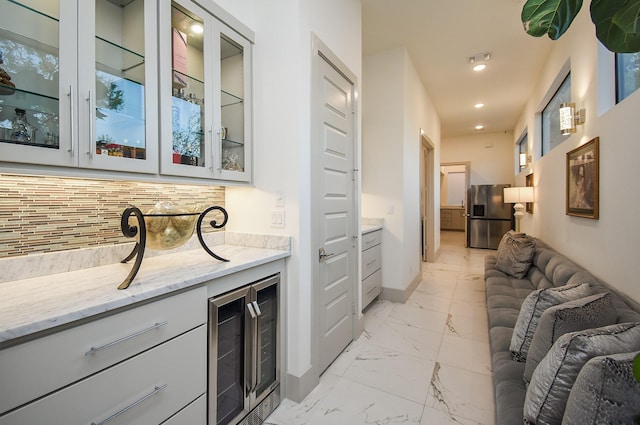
(607, 247)
(395, 108)
(282, 73)
(490, 156)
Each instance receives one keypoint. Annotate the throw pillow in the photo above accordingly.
(532, 308)
(502, 246)
(516, 256)
(593, 311)
(605, 392)
(552, 381)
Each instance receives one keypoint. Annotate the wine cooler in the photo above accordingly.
(244, 355)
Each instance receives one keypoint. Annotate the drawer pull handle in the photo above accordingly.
(371, 262)
(111, 344)
(155, 391)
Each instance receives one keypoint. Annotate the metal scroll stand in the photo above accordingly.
(138, 250)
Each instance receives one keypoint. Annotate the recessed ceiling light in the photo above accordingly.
(478, 105)
(479, 127)
(479, 61)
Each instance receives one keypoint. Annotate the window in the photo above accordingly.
(523, 149)
(551, 136)
(627, 74)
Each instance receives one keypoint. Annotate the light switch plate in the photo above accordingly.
(277, 219)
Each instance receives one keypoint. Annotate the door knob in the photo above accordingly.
(322, 254)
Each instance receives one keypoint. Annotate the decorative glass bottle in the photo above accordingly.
(21, 130)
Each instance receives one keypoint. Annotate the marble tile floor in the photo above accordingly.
(423, 362)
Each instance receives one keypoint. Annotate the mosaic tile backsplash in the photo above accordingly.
(46, 214)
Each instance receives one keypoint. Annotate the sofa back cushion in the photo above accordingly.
(590, 312)
(605, 392)
(531, 310)
(554, 378)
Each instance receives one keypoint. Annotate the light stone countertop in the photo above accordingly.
(37, 304)
(368, 228)
(371, 224)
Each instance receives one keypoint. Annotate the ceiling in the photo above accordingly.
(441, 35)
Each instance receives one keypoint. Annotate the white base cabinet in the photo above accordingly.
(146, 389)
(142, 365)
(371, 266)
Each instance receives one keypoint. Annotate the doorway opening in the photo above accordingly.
(454, 186)
(427, 199)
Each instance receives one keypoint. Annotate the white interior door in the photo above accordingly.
(334, 209)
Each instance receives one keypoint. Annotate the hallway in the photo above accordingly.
(424, 362)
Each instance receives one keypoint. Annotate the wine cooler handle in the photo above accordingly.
(257, 308)
(252, 312)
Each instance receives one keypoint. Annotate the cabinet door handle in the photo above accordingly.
(93, 350)
(155, 391)
(210, 132)
(92, 118)
(72, 121)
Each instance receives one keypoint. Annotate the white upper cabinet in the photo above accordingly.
(85, 75)
(205, 89)
(134, 86)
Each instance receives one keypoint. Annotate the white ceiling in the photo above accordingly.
(440, 36)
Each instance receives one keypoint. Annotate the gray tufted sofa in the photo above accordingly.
(505, 295)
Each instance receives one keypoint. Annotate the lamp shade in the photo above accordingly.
(517, 195)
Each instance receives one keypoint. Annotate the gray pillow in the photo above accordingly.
(516, 255)
(553, 379)
(502, 246)
(605, 392)
(532, 308)
(588, 312)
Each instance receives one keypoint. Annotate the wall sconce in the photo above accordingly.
(569, 118)
(523, 160)
(518, 196)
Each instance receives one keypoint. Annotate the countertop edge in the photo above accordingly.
(368, 228)
(102, 293)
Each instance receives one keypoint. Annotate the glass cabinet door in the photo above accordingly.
(235, 136)
(37, 72)
(117, 127)
(205, 81)
(186, 90)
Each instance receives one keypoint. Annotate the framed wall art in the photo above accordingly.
(583, 180)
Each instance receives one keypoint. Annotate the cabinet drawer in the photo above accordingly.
(193, 414)
(38, 367)
(146, 389)
(371, 288)
(371, 260)
(371, 239)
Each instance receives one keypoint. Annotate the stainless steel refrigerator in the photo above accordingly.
(489, 217)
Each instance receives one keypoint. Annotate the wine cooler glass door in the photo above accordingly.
(267, 338)
(229, 356)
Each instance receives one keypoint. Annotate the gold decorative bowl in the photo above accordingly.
(169, 226)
